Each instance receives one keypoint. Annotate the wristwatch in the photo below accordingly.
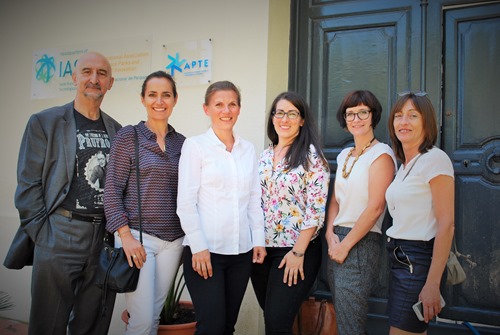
(297, 254)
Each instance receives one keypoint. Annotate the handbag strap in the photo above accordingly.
(104, 294)
(138, 185)
(468, 258)
(114, 254)
(411, 167)
(320, 320)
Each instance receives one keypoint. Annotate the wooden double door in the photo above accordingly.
(451, 50)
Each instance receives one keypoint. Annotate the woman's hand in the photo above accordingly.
(259, 253)
(335, 250)
(431, 301)
(332, 239)
(293, 267)
(136, 254)
(201, 263)
(338, 253)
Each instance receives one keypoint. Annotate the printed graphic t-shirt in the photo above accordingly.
(86, 194)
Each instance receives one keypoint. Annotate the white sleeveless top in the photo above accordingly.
(352, 193)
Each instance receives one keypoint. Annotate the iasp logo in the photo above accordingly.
(46, 69)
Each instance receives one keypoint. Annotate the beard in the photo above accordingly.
(94, 92)
(94, 95)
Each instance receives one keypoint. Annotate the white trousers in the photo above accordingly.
(145, 303)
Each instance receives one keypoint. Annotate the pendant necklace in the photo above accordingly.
(345, 173)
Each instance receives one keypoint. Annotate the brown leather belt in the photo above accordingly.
(94, 218)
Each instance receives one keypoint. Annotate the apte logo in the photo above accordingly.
(175, 64)
(45, 68)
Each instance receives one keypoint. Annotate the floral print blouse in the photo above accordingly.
(292, 200)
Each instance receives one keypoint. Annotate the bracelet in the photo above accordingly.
(127, 231)
(297, 254)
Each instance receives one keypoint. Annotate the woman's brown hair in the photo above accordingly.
(424, 106)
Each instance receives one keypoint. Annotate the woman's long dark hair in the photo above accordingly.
(298, 153)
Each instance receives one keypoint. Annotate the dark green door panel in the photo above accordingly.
(361, 46)
(471, 137)
(451, 49)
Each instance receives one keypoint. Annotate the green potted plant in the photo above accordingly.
(10, 326)
(177, 317)
(5, 303)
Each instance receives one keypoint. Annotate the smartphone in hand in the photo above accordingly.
(419, 308)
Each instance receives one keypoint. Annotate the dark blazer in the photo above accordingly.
(45, 169)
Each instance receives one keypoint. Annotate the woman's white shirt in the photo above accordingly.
(218, 199)
(351, 193)
(410, 200)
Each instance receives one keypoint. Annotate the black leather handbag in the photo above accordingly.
(113, 271)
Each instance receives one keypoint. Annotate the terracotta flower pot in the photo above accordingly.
(179, 329)
(14, 327)
(184, 329)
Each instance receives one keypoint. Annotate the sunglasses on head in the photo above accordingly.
(416, 93)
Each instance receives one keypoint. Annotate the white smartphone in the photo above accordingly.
(419, 309)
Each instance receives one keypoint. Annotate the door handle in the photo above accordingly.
(493, 162)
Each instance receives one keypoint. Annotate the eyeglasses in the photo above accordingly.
(416, 93)
(292, 115)
(362, 115)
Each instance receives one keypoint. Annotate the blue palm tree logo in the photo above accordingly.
(45, 68)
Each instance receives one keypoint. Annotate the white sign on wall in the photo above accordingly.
(52, 68)
(190, 63)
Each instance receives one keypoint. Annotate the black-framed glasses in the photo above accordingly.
(292, 115)
(362, 115)
(415, 93)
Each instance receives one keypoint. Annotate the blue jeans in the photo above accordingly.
(279, 301)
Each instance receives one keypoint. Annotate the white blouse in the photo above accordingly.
(218, 200)
(410, 200)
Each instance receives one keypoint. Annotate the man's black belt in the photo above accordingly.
(94, 218)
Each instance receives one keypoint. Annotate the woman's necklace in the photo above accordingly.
(345, 173)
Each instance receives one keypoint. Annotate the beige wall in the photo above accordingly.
(249, 49)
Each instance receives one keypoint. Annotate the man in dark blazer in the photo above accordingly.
(61, 210)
